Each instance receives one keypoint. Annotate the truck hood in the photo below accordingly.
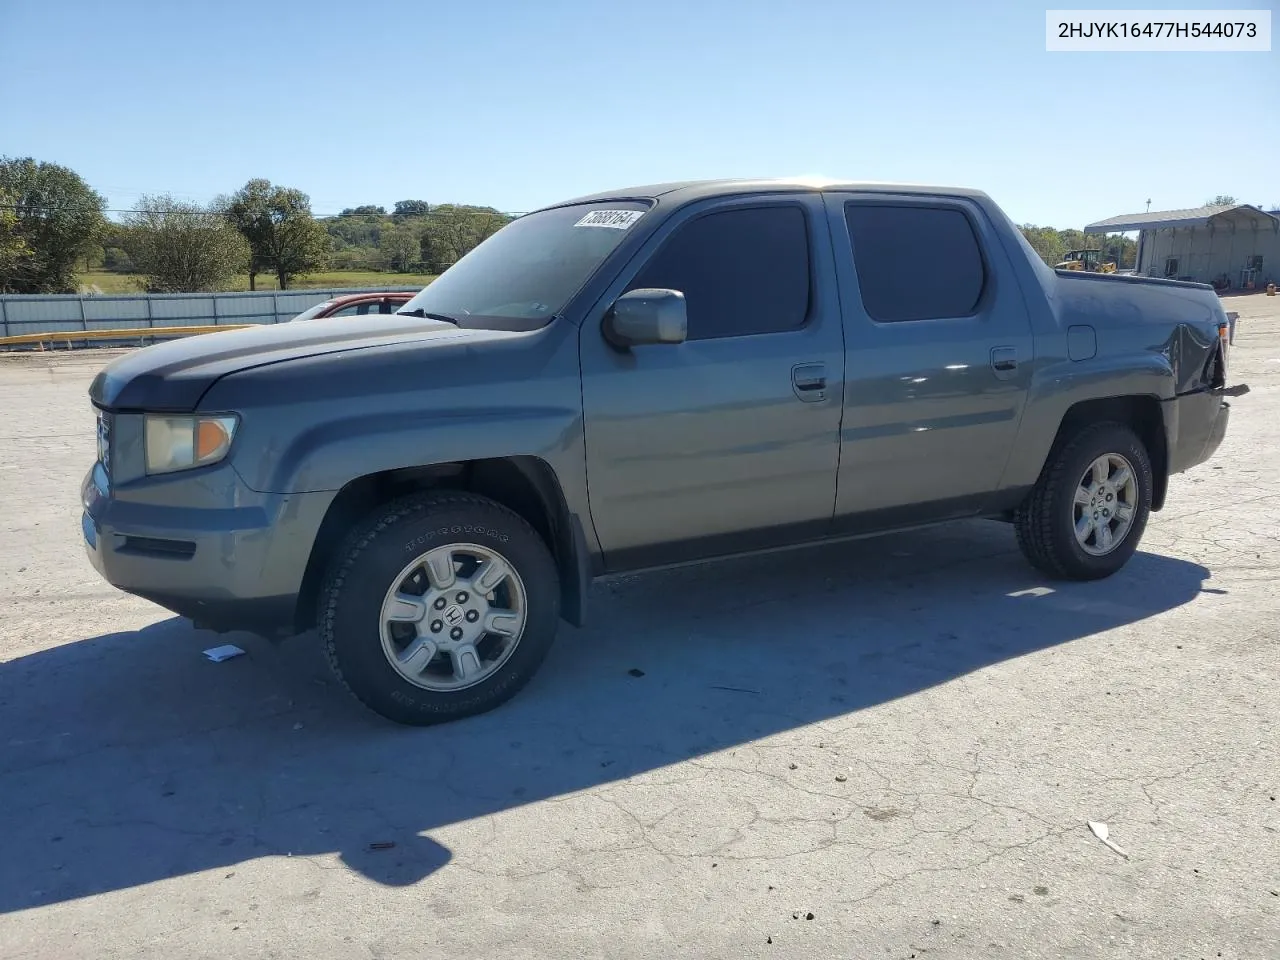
(173, 376)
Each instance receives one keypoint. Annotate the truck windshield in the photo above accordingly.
(523, 275)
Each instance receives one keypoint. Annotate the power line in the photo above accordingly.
(268, 265)
(44, 208)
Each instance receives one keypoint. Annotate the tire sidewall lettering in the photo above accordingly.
(442, 534)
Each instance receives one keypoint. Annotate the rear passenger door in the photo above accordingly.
(729, 441)
(938, 350)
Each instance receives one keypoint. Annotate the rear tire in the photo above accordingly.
(1085, 516)
(420, 653)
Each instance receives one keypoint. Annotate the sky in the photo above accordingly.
(519, 104)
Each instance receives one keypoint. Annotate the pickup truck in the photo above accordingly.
(641, 378)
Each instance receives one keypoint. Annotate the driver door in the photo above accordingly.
(729, 441)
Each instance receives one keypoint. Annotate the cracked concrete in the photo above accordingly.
(910, 752)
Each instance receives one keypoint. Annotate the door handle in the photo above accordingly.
(1004, 361)
(809, 381)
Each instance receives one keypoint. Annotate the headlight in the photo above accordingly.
(179, 443)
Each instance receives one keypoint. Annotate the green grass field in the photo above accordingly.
(109, 282)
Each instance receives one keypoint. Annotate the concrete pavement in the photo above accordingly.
(903, 738)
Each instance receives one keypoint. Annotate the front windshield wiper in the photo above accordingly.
(419, 312)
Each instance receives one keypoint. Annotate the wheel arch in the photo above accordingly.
(1143, 413)
(526, 485)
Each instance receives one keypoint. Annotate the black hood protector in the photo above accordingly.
(173, 376)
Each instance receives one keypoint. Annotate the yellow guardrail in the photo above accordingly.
(120, 333)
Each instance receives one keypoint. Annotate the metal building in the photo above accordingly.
(1234, 247)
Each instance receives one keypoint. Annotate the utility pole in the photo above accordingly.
(1148, 205)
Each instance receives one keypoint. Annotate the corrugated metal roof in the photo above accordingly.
(1192, 216)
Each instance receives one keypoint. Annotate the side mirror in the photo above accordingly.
(647, 316)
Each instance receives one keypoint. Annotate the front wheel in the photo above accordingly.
(439, 606)
(1085, 517)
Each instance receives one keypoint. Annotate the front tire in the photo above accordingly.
(1085, 516)
(439, 606)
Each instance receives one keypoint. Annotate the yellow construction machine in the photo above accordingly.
(1088, 260)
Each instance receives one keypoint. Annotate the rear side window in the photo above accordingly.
(915, 262)
(741, 272)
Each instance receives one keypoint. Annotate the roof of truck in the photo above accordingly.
(686, 190)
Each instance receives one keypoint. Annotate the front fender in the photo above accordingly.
(324, 423)
(329, 455)
(543, 442)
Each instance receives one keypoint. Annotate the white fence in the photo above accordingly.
(22, 313)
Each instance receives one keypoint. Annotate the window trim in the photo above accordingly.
(986, 295)
(733, 205)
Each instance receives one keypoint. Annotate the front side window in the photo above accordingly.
(526, 273)
(915, 262)
(742, 271)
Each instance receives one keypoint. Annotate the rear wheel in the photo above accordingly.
(1087, 513)
(438, 607)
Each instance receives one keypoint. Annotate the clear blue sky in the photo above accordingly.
(518, 104)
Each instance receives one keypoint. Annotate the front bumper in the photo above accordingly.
(203, 545)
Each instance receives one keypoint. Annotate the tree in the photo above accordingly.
(182, 247)
(1045, 241)
(282, 235)
(400, 248)
(354, 258)
(117, 260)
(1052, 245)
(355, 231)
(13, 246)
(368, 210)
(1222, 200)
(411, 208)
(453, 230)
(56, 217)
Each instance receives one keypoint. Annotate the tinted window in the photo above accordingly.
(915, 263)
(741, 271)
(348, 311)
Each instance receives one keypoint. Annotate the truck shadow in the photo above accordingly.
(127, 758)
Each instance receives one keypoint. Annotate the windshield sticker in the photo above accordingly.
(616, 219)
